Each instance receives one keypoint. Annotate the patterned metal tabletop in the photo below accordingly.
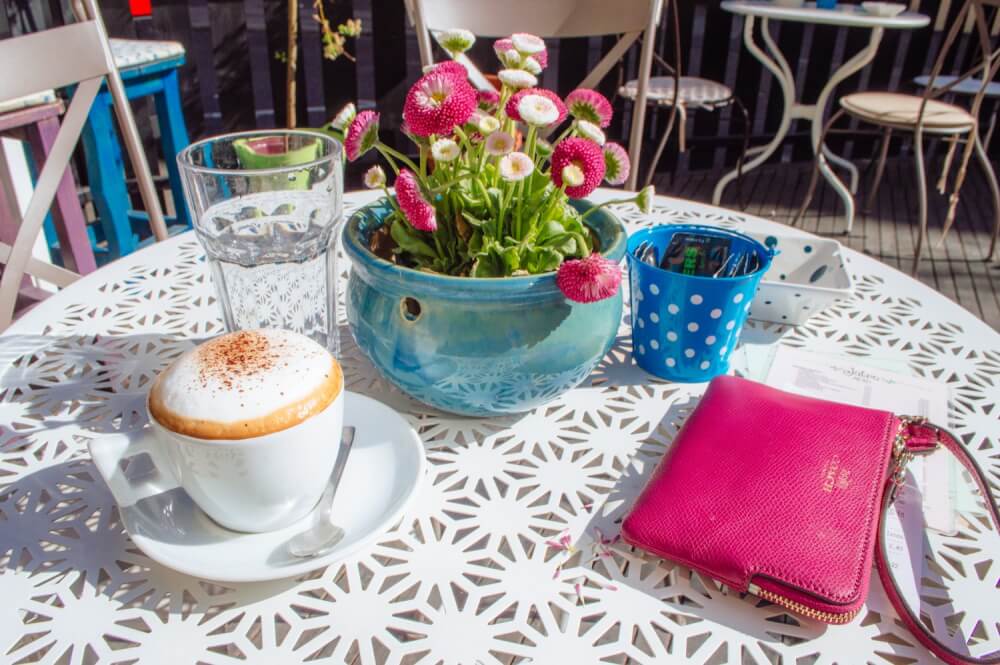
(508, 555)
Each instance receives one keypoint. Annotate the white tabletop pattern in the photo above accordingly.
(509, 553)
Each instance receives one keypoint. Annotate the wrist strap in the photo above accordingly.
(922, 435)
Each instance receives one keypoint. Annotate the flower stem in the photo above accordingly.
(386, 150)
(388, 158)
(443, 186)
(605, 205)
(392, 202)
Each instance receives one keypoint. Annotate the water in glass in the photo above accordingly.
(270, 237)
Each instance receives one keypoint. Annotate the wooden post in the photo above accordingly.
(291, 62)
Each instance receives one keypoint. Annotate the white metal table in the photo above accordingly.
(508, 555)
(846, 15)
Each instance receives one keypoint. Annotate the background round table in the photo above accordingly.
(771, 57)
(509, 553)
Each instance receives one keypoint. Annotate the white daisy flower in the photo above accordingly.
(375, 178)
(644, 199)
(572, 175)
(487, 124)
(344, 117)
(456, 40)
(445, 150)
(499, 144)
(517, 78)
(527, 44)
(516, 166)
(589, 130)
(511, 58)
(531, 66)
(537, 110)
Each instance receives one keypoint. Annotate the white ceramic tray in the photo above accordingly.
(807, 276)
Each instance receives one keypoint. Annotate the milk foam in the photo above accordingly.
(244, 376)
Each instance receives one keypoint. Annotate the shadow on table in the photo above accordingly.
(54, 389)
(61, 527)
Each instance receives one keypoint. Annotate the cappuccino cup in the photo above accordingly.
(249, 424)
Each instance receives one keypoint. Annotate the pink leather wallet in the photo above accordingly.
(780, 495)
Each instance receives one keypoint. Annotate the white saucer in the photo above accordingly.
(383, 473)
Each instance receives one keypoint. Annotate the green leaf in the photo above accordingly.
(487, 265)
(550, 229)
(582, 248)
(564, 243)
(474, 221)
(407, 239)
(476, 243)
(543, 259)
(512, 258)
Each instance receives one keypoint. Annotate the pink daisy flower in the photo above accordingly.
(616, 164)
(516, 98)
(487, 99)
(419, 213)
(583, 154)
(451, 68)
(589, 105)
(438, 102)
(542, 58)
(590, 279)
(362, 134)
(501, 46)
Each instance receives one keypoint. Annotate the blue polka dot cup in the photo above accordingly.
(685, 327)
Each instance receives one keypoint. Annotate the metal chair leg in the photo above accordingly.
(880, 169)
(662, 145)
(814, 179)
(991, 179)
(918, 151)
(740, 198)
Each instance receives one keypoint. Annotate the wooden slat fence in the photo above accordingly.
(233, 80)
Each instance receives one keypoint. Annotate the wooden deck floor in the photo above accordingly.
(887, 232)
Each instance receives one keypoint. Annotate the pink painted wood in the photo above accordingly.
(38, 125)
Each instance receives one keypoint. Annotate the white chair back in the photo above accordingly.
(68, 55)
(631, 19)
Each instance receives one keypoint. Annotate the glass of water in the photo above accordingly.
(267, 207)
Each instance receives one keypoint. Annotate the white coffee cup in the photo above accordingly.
(258, 484)
(249, 424)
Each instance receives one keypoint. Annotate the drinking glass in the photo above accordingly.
(267, 207)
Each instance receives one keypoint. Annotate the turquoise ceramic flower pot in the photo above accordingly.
(476, 346)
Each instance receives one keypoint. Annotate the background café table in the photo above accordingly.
(846, 15)
(478, 571)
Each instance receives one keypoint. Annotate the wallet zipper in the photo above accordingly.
(804, 610)
(901, 456)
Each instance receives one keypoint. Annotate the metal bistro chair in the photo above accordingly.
(37, 62)
(628, 19)
(683, 93)
(927, 114)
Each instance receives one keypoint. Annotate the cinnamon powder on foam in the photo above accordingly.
(238, 355)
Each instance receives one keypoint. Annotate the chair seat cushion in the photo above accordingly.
(37, 99)
(694, 91)
(898, 110)
(135, 52)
